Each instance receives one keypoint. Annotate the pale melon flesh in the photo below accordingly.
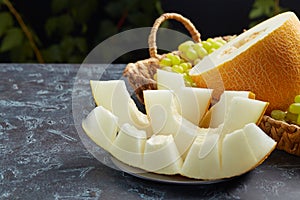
(216, 114)
(101, 126)
(113, 96)
(185, 96)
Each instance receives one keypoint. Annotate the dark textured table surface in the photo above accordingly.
(43, 157)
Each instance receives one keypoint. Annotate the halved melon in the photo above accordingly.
(265, 60)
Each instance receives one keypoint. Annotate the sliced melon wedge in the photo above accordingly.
(216, 114)
(237, 156)
(261, 144)
(114, 96)
(129, 145)
(243, 111)
(161, 155)
(185, 96)
(203, 160)
(165, 119)
(199, 98)
(169, 80)
(101, 126)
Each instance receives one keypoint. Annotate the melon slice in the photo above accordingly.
(165, 119)
(243, 111)
(216, 114)
(265, 60)
(237, 156)
(161, 155)
(129, 145)
(101, 126)
(261, 144)
(199, 98)
(114, 96)
(185, 96)
(169, 80)
(240, 151)
(203, 160)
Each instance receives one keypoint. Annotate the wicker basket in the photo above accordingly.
(286, 135)
(140, 76)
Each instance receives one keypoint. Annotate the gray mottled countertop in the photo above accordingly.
(42, 155)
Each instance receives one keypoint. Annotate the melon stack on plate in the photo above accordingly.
(168, 139)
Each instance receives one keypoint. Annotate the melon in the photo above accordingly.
(165, 119)
(161, 155)
(203, 160)
(129, 145)
(176, 145)
(216, 114)
(265, 60)
(113, 96)
(101, 126)
(185, 96)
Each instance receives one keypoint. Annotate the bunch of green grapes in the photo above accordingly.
(195, 52)
(292, 115)
(190, 53)
(173, 63)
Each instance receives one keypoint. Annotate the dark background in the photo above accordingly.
(211, 17)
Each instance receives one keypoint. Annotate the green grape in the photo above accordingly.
(217, 45)
(214, 43)
(170, 55)
(183, 47)
(298, 120)
(206, 45)
(211, 50)
(278, 114)
(185, 66)
(182, 60)
(175, 60)
(187, 77)
(188, 80)
(291, 117)
(221, 41)
(191, 54)
(165, 62)
(177, 69)
(201, 52)
(190, 65)
(297, 99)
(211, 41)
(295, 108)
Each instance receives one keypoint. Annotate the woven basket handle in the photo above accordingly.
(186, 22)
